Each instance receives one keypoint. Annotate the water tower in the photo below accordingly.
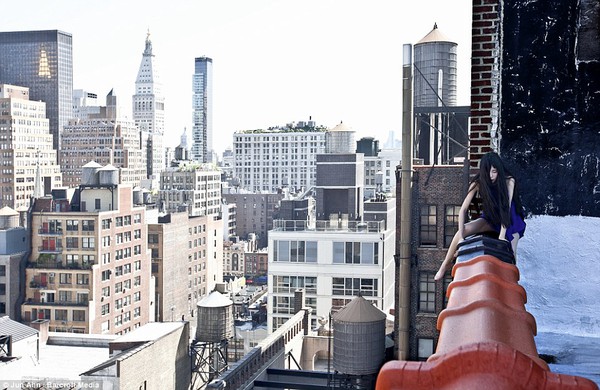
(358, 344)
(209, 348)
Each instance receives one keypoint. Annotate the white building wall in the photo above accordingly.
(267, 160)
(325, 270)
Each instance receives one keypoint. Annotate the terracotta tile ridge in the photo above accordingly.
(502, 290)
(486, 365)
(508, 271)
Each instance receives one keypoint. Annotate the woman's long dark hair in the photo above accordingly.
(494, 196)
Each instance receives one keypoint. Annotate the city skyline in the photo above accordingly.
(274, 62)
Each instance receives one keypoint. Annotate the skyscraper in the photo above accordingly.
(43, 62)
(202, 106)
(149, 112)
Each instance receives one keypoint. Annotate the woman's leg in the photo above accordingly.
(479, 225)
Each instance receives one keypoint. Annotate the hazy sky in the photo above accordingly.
(274, 61)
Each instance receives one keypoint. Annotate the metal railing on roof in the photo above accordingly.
(329, 226)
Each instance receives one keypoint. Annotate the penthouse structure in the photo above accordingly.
(265, 160)
(89, 270)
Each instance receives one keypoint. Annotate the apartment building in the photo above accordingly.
(192, 187)
(266, 160)
(89, 270)
(187, 257)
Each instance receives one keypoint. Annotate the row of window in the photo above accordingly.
(428, 224)
(343, 252)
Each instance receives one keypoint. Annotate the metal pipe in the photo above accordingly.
(406, 172)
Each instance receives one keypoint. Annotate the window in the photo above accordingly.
(119, 221)
(152, 238)
(137, 296)
(64, 296)
(355, 253)
(72, 242)
(426, 293)
(83, 279)
(97, 204)
(450, 223)
(88, 242)
(428, 225)
(106, 275)
(106, 291)
(105, 241)
(355, 286)
(72, 225)
(64, 278)
(87, 225)
(296, 251)
(106, 223)
(105, 309)
(60, 315)
(137, 218)
(118, 288)
(79, 315)
(119, 270)
(127, 220)
(425, 348)
(137, 312)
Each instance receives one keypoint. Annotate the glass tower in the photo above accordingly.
(202, 106)
(43, 62)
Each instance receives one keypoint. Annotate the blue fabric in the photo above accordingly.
(517, 225)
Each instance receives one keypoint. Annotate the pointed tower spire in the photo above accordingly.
(148, 49)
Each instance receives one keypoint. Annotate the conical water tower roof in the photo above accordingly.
(359, 310)
(341, 127)
(7, 211)
(92, 164)
(434, 35)
(215, 299)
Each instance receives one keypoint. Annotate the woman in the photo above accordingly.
(502, 211)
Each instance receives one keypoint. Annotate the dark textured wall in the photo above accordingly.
(550, 104)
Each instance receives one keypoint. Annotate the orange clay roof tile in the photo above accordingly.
(486, 338)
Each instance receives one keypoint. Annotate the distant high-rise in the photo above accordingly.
(202, 106)
(440, 125)
(149, 112)
(43, 62)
